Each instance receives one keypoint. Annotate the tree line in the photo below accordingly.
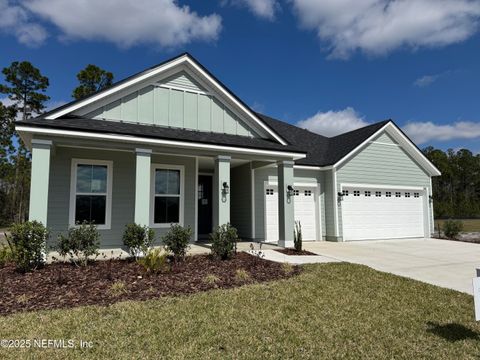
(456, 193)
(26, 87)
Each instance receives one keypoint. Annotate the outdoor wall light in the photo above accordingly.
(225, 188)
(290, 190)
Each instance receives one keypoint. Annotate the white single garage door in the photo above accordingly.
(369, 213)
(305, 212)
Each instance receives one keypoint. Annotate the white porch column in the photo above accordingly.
(39, 181)
(286, 218)
(221, 198)
(142, 186)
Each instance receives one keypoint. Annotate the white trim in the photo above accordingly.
(173, 87)
(396, 133)
(307, 167)
(384, 143)
(318, 215)
(196, 198)
(300, 184)
(252, 179)
(174, 143)
(377, 186)
(335, 204)
(181, 195)
(73, 190)
(183, 59)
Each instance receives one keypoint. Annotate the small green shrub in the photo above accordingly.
(28, 244)
(451, 228)
(138, 239)
(6, 255)
(80, 244)
(224, 241)
(211, 279)
(177, 240)
(297, 236)
(154, 261)
(242, 275)
(118, 288)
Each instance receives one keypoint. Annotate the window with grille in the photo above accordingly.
(407, 194)
(308, 192)
(269, 191)
(356, 193)
(388, 194)
(398, 194)
(345, 192)
(416, 195)
(378, 193)
(368, 193)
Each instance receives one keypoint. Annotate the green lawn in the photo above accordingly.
(330, 311)
(469, 225)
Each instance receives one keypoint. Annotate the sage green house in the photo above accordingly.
(173, 145)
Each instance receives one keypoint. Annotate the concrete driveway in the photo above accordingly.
(450, 264)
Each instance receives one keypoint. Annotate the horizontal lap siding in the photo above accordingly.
(381, 164)
(241, 200)
(123, 191)
(270, 174)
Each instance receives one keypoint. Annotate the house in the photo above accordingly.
(172, 144)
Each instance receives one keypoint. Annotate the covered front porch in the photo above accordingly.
(152, 183)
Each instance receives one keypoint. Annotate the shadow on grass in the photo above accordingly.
(452, 332)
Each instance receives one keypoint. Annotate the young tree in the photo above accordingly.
(25, 87)
(92, 79)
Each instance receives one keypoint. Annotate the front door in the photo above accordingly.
(204, 204)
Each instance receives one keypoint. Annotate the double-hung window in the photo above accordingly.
(91, 192)
(167, 189)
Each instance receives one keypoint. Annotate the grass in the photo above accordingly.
(469, 225)
(329, 311)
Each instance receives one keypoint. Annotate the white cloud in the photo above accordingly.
(378, 27)
(422, 132)
(125, 23)
(262, 8)
(17, 21)
(333, 123)
(426, 80)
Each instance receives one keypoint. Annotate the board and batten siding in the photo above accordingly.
(382, 162)
(123, 191)
(270, 174)
(241, 200)
(176, 102)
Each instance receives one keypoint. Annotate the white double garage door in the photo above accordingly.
(306, 211)
(367, 213)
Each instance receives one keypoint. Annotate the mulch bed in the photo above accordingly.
(294, 252)
(63, 285)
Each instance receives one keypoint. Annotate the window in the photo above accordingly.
(356, 193)
(308, 192)
(398, 194)
(91, 189)
(388, 194)
(378, 193)
(296, 192)
(368, 193)
(407, 194)
(345, 192)
(269, 191)
(416, 195)
(167, 184)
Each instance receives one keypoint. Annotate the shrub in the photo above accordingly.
(6, 255)
(118, 288)
(242, 275)
(211, 279)
(224, 241)
(28, 244)
(297, 236)
(138, 239)
(177, 240)
(451, 228)
(80, 243)
(154, 261)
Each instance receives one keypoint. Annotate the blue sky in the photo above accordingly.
(328, 65)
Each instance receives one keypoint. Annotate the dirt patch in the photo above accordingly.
(294, 252)
(63, 285)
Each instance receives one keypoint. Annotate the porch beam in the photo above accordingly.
(221, 198)
(142, 186)
(39, 182)
(286, 219)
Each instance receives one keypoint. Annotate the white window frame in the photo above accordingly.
(153, 195)
(73, 190)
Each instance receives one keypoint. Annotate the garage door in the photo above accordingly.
(305, 212)
(382, 213)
